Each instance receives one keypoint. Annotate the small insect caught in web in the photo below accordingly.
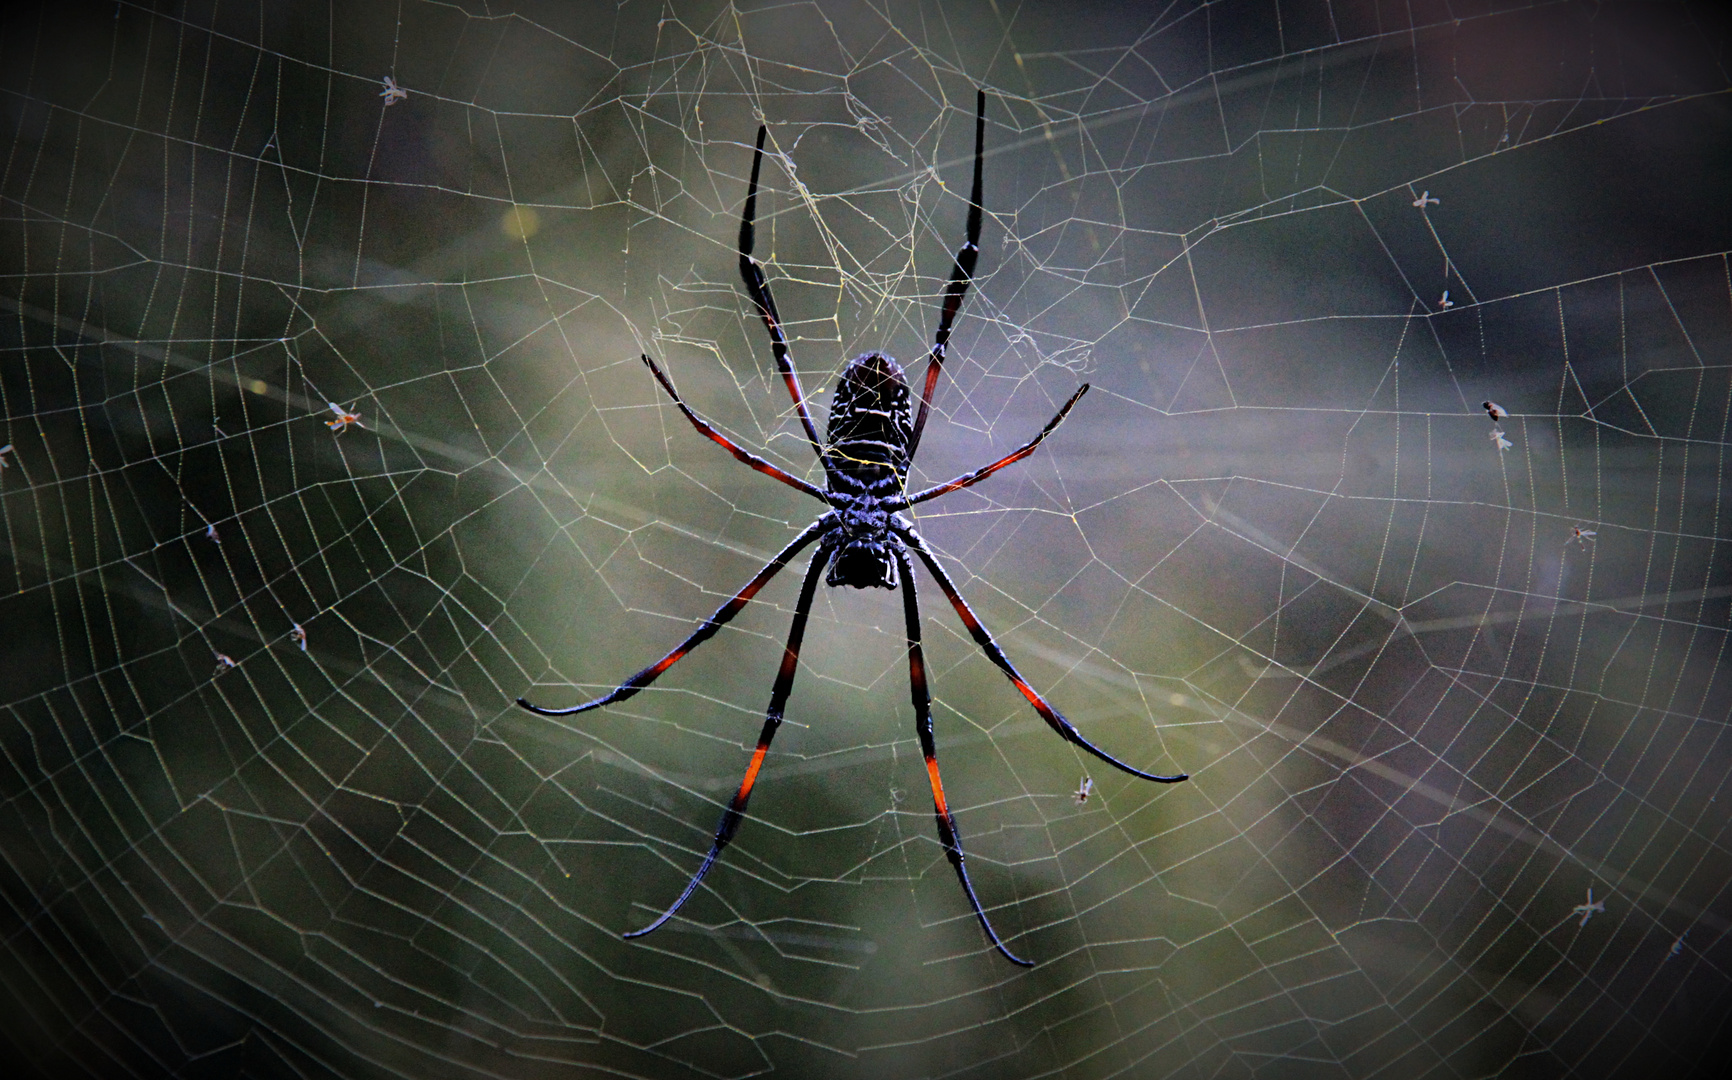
(1445, 303)
(1498, 440)
(4, 451)
(1085, 787)
(1494, 410)
(224, 663)
(1424, 200)
(392, 92)
(1582, 536)
(1586, 911)
(298, 635)
(344, 417)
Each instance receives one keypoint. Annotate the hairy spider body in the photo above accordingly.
(863, 538)
(867, 465)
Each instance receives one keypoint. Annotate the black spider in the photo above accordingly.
(864, 538)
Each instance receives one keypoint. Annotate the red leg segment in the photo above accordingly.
(961, 273)
(947, 833)
(703, 633)
(984, 639)
(730, 822)
(729, 445)
(759, 290)
(1011, 458)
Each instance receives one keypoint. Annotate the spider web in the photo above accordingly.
(1452, 690)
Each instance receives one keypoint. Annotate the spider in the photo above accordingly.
(864, 537)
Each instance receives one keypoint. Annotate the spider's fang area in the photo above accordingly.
(864, 560)
(863, 566)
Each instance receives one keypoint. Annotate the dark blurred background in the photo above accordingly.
(268, 809)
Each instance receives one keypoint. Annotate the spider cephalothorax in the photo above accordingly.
(864, 538)
(863, 555)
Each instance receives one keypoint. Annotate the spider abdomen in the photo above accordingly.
(866, 463)
(870, 428)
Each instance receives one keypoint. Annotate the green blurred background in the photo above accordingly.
(1276, 547)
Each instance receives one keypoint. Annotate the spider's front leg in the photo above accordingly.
(703, 633)
(736, 811)
(947, 833)
(983, 638)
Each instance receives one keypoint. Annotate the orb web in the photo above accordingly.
(326, 438)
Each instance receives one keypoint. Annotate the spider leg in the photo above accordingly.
(759, 290)
(961, 273)
(728, 444)
(984, 639)
(730, 822)
(1012, 458)
(703, 633)
(947, 834)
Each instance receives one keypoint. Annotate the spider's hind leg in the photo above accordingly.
(758, 288)
(961, 273)
(736, 811)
